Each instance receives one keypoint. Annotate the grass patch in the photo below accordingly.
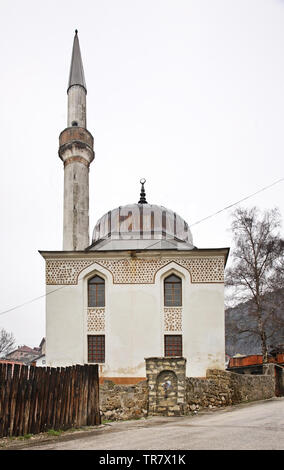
(53, 432)
(73, 429)
(25, 436)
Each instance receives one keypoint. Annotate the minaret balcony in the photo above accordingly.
(76, 142)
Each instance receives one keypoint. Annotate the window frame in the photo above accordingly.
(96, 284)
(98, 354)
(172, 346)
(176, 298)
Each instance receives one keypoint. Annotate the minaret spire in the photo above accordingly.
(77, 89)
(76, 152)
(76, 74)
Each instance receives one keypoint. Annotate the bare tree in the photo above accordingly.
(277, 280)
(7, 342)
(257, 270)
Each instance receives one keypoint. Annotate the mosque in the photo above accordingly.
(139, 288)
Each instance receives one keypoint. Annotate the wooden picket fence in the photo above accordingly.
(36, 399)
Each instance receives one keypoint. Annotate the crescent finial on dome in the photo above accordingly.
(142, 194)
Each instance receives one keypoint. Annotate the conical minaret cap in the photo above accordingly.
(76, 75)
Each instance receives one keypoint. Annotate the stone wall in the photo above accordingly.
(223, 388)
(184, 395)
(121, 402)
(166, 385)
(279, 378)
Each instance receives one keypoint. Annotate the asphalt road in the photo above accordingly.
(254, 426)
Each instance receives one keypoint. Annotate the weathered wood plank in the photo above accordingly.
(14, 391)
(72, 409)
(60, 398)
(84, 398)
(6, 420)
(52, 404)
(45, 398)
(77, 386)
(65, 398)
(40, 379)
(2, 397)
(56, 397)
(34, 399)
(26, 393)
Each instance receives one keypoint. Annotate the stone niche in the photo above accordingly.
(166, 386)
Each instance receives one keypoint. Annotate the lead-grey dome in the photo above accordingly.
(138, 226)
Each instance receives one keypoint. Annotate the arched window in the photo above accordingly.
(172, 291)
(96, 292)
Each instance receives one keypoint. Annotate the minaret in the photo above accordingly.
(76, 152)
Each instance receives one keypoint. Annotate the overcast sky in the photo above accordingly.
(188, 94)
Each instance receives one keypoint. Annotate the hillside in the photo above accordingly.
(240, 318)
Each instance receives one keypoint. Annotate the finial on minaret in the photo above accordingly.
(142, 194)
(76, 75)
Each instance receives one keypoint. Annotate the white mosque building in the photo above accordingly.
(139, 288)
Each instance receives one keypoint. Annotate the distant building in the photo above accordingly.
(7, 361)
(253, 363)
(40, 361)
(24, 354)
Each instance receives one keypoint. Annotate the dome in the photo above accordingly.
(142, 225)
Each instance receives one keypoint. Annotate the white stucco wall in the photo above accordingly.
(204, 329)
(134, 323)
(64, 325)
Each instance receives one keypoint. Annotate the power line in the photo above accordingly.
(32, 300)
(51, 292)
(238, 202)
(191, 225)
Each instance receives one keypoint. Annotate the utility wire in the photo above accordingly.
(195, 223)
(238, 202)
(32, 300)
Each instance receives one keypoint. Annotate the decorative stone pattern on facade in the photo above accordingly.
(95, 319)
(173, 319)
(135, 271)
(64, 272)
